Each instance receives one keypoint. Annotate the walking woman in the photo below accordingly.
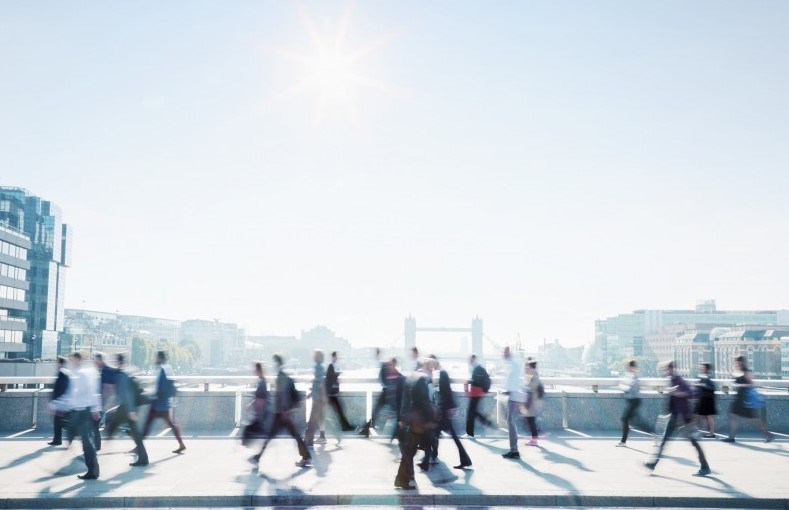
(746, 403)
(632, 391)
(705, 406)
(535, 398)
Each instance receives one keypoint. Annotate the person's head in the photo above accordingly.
(426, 365)
(318, 356)
(62, 361)
(705, 368)
(259, 369)
(414, 353)
(632, 366)
(507, 353)
(120, 359)
(278, 361)
(377, 353)
(161, 357)
(390, 367)
(667, 367)
(334, 356)
(76, 359)
(472, 359)
(434, 364)
(741, 364)
(99, 359)
(531, 365)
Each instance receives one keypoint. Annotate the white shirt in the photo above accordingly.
(83, 390)
(515, 380)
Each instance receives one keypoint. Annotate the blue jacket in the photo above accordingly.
(163, 400)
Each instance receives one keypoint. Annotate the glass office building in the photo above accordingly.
(48, 256)
(14, 246)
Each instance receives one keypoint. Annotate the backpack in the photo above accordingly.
(295, 396)
(485, 382)
(140, 397)
(169, 388)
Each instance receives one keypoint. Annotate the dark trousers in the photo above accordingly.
(82, 423)
(446, 425)
(412, 442)
(531, 421)
(379, 404)
(97, 432)
(671, 427)
(166, 416)
(334, 403)
(284, 422)
(121, 417)
(631, 409)
(60, 422)
(473, 414)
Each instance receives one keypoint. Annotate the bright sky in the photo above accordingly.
(541, 164)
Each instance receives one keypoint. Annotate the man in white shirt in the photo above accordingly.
(83, 401)
(514, 391)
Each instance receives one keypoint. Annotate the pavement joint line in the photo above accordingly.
(164, 432)
(17, 434)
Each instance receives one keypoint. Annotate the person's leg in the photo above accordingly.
(405, 472)
(513, 411)
(626, 415)
(291, 428)
(148, 422)
(86, 428)
(312, 424)
(97, 432)
(732, 426)
(670, 427)
(532, 422)
(379, 404)
(176, 429)
(711, 423)
(700, 452)
(57, 437)
(465, 460)
(471, 415)
(134, 432)
(276, 426)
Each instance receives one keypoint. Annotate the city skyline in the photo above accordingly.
(543, 169)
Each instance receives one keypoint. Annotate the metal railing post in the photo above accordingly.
(237, 409)
(565, 418)
(34, 418)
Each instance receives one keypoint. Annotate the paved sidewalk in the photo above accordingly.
(566, 470)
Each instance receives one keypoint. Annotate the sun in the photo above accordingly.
(332, 74)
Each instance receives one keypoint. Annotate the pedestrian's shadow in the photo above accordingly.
(725, 487)
(777, 450)
(439, 474)
(554, 457)
(26, 458)
(556, 480)
(321, 461)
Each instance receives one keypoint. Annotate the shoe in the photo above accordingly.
(462, 466)
(139, 463)
(769, 438)
(512, 455)
(53, 443)
(709, 435)
(621, 444)
(424, 466)
(304, 462)
(180, 449)
(321, 440)
(533, 442)
(133, 450)
(650, 465)
(407, 486)
(365, 432)
(254, 460)
(702, 472)
(88, 476)
(728, 440)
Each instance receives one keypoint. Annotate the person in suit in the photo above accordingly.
(516, 399)
(333, 392)
(417, 419)
(256, 429)
(395, 384)
(286, 402)
(162, 404)
(127, 411)
(108, 377)
(381, 402)
(448, 410)
(476, 392)
(61, 386)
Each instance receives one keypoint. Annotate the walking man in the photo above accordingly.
(382, 398)
(162, 404)
(61, 386)
(333, 392)
(126, 392)
(83, 401)
(107, 376)
(476, 389)
(318, 393)
(416, 419)
(678, 404)
(286, 402)
(632, 392)
(516, 399)
(448, 408)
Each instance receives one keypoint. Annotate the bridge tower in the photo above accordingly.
(476, 336)
(409, 332)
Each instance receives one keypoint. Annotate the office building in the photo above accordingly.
(693, 348)
(785, 357)
(760, 346)
(49, 256)
(14, 246)
(220, 343)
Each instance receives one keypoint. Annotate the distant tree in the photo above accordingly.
(142, 353)
(191, 346)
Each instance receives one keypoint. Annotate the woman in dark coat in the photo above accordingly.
(742, 407)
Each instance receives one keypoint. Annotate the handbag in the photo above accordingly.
(753, 399)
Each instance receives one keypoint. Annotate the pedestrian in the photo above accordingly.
(476, 389)
(415, 362)
(82, 400)
(256, 429)
(333, 393)
(679, 408)
(318, 396)
(515, 399)
(535, 399)
(381, 401)
(286, 405)
(417, 420)
(108, 376)
(631, 388)
(394, 384)
(126, 393)
(60, 389)
(447, 412)
(162, 405)
(705, 404)
(747, 402)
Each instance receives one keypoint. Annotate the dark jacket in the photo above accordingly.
(284, 401)
(163, 400)
(416, 408)
(61, 384)
(332, 381)
(478, 375)
(125, 391)
(446, 400)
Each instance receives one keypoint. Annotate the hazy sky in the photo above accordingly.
(541, 164)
